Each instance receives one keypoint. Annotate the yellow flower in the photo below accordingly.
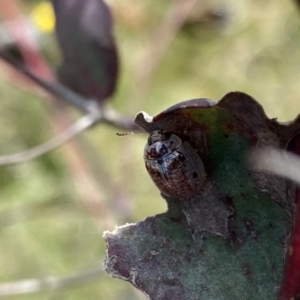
(43, 17)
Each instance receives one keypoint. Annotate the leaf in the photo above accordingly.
(85, 35)
(229, 241)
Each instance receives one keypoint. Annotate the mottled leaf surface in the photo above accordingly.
(85, 34)
(229, 241)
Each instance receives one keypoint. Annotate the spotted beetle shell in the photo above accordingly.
(174, 166)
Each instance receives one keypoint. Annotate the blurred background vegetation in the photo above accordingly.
(47, 227)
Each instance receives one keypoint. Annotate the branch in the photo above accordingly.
(111, 117)
(278, 162)
(81, 125)
(54, 88)
(105, 115)
(50, 283)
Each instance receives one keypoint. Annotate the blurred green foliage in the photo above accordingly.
(45, 230)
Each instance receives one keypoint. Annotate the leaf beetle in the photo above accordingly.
(174, 166)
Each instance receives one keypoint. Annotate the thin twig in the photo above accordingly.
(54, 88)
(49, 284)
(61, 92)
(278, 162)
(85, 122)
(111, 117)
(79, 126)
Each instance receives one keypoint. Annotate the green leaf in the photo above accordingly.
(229, 241)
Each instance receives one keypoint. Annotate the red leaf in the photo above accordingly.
(85, 35)
(290, 288)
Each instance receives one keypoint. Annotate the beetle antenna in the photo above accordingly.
(129, 133)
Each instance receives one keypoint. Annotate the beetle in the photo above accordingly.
(174, 165)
